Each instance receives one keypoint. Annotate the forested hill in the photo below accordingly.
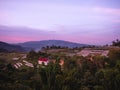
(5, 47)
(44, 43)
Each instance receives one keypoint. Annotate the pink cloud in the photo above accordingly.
(82, 35)
(13, 39)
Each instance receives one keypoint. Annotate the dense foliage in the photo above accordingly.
(77, 73)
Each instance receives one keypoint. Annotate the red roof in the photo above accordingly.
(43, 59)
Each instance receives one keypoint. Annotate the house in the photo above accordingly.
(28, 63)
(43, 60)
(24, 57)
(18, 65)
(15, 58)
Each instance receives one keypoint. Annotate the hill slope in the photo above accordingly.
(5, 47)
(43, 43)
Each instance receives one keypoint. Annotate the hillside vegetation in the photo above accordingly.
(77, 73)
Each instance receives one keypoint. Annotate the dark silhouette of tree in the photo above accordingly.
(116, 42)
(32, 56)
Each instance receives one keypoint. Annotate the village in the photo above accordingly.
(62, 68)
(86, 52)
(21, 60)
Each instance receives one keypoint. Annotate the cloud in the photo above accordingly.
(3, 17)
(58, 21)
(111, 11)
(45, 15)
(22, 34)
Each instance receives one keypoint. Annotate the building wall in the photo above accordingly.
(40, 62)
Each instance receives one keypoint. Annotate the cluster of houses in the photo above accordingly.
(28, 63)
(18, 63)
(93, 52)
(85, 52)
(44, 60)
(24, 62)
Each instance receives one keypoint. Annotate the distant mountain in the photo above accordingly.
(5, 47)
(37, 45)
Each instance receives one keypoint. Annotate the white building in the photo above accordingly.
(43, 60)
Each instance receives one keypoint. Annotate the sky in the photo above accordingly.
(82, 21)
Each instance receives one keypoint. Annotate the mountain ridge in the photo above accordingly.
(37, 45)
(44, 43)
(10, 47)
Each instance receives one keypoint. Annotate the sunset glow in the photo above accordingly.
(82, 21)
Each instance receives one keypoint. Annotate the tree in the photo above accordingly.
(32, 56)
(116, 42)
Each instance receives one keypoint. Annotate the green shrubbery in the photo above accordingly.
(78, 73)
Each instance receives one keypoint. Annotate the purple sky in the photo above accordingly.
(82, 21)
